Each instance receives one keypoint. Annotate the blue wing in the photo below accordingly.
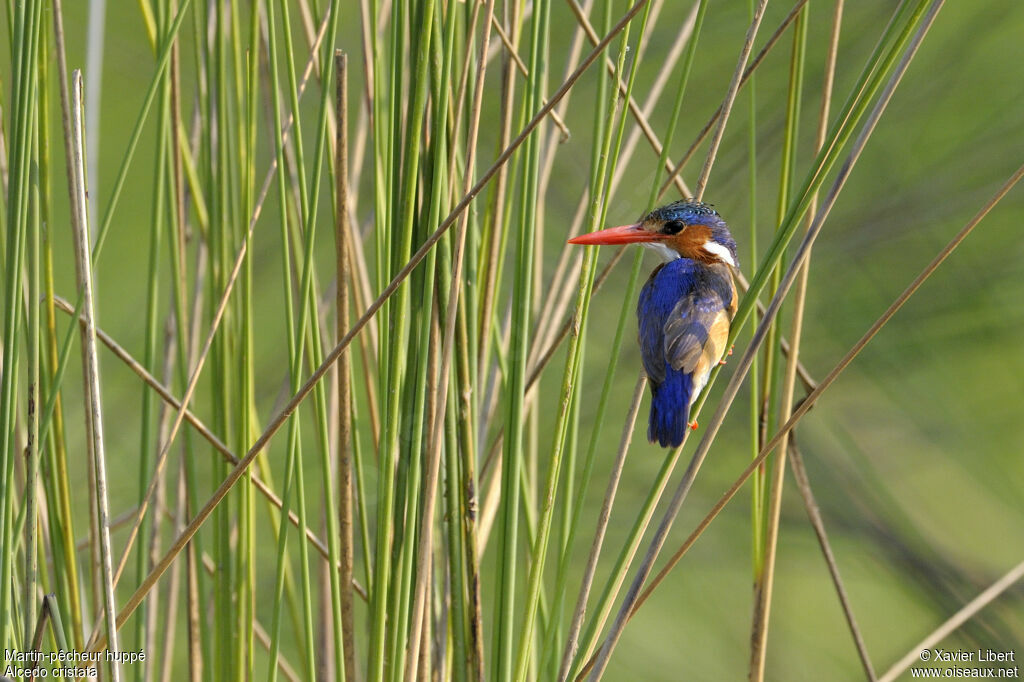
(684, 313)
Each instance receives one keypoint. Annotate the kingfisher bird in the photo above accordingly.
(685, 308)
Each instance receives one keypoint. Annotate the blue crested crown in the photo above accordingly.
(696, 213)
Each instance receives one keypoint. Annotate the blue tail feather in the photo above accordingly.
(670, 409)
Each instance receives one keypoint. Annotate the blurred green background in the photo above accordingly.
(915, 454)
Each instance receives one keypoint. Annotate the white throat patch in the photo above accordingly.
(667, 255)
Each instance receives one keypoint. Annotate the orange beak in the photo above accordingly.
(625, 234)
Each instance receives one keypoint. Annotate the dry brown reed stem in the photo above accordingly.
(90, 360)
(804, 407)
(282, 416)
(200, 428)
(803, 484)
(764, 586)
(65, 104)
(718, 112)
(41, 620)
(469, 461)
(342, 239)
(760, 333)
(572, 639)
(955, 621)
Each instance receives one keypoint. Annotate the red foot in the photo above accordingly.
(693, 425)
(722, 361)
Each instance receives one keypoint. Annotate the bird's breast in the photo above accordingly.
(684, 314)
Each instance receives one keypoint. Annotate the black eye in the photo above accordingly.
(673, 227)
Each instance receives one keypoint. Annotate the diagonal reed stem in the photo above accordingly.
(803, 484)
(955, 621)
(812, 398)
(285, 412)
(730, 97)
(745, 362)
(602, 525)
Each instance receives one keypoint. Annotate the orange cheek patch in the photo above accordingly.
(690, 241)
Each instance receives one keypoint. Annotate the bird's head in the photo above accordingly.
(682, 229)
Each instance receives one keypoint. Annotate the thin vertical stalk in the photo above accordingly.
(91, 369)
(308, 295)
(757, 488)
(419, 400)
(460, 520)
(426, 528)
(522, 297)
(344, 416)
(246, 408)
(149, 435)
(24, 85)
(764, 585)
(397, 352)
(31, 501)
(764, 571)
(601, 195)
(466, 564)
(293, 481)
(223, 381)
